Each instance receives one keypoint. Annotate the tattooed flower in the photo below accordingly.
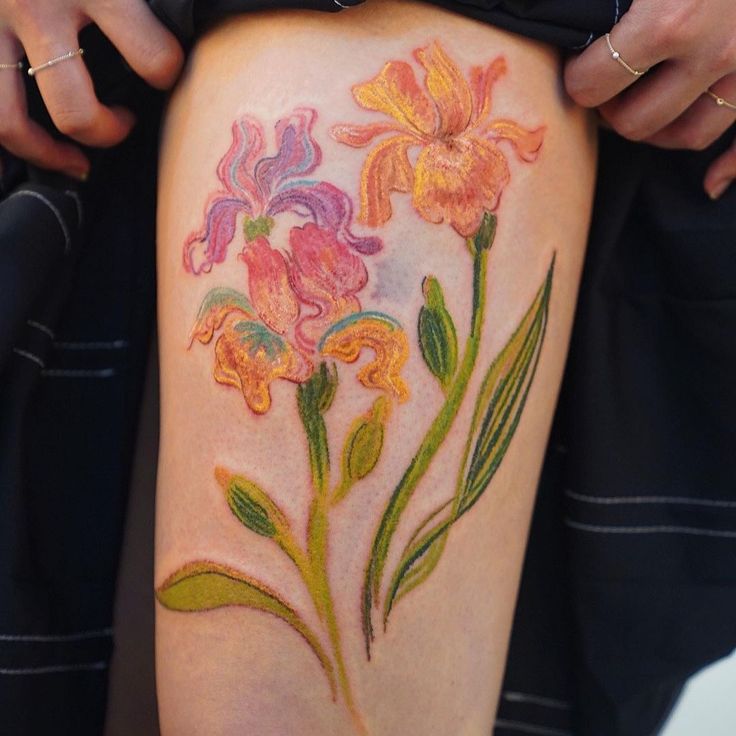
(259, 187)
(301, 306)
(460, 170)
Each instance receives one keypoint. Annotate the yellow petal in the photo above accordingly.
(457, 181)
(448, 88)
(395, 92)
(386, 169)
(384, 336)
(249, 357)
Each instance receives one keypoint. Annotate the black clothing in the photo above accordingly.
(628, 584)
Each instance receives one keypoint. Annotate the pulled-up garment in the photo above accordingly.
(629, 580)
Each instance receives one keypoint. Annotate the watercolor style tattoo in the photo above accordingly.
(303, 315)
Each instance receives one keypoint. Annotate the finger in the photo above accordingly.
(721, 173)
(655, 102)
(23, 137)
(703, 122)
(147, 45)
(594, 77)
(69, 95)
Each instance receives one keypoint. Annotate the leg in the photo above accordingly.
(345, 470)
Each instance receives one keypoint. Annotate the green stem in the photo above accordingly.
(323, 601)
(429, 446)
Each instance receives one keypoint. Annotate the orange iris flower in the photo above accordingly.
(460, 171)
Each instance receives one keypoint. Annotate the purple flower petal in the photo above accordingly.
(209, 246)
(236, 167)
(298, 152)
(327, 206)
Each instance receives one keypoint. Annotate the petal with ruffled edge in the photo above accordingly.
(386, 169)
(218, 304)
(328, 207)
(346, 339)
(482, 80)
(358, 136)
(395, 92)
(526, 143)
(236, 167)
(209, 245)
(457, 181)
(298, 152)
(249, 357)
(447, 88)
(268, 285)
(325, 275)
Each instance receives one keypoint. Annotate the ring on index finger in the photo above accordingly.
(33, 70)
(616, 56)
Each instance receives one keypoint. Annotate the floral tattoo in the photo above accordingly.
(302, 316)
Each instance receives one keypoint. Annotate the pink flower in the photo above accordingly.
(259, 187)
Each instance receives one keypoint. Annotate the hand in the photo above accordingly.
(690, 46)
(44, 29)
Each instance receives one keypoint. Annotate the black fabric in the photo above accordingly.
(620, 599)
(629, 583)
(566, 23)
(77, 285)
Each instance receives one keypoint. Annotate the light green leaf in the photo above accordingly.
(205, 586)
(363, 447)
(498, 408)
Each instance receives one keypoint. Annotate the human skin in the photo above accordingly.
(239, 504)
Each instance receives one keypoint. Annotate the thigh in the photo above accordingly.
(371, 230)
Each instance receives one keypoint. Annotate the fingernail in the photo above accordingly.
(717, 190)
(78, 174)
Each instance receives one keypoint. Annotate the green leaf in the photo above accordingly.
(363, 447)
(498, 409)
(204, 586)
(314, 397)
(437, 334)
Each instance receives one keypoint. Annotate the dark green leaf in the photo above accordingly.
(437, 335)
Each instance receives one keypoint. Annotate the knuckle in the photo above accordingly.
(723, 60)
(162, 63)
(74, 121)
(673, 28)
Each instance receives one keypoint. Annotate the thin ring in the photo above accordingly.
(617, 57)
(15, 65)
(33, 70)
(720, 101)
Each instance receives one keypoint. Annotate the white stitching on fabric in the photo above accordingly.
(688, 530)
(53, 208)
(585, 43)
(99, 345)
(674, 500)
(43, 328)
(618, 10)
(78, 373)
(516, 697)
(78, 201)
(54, 669)
(76, 636)
(29, 356)
(530, 728)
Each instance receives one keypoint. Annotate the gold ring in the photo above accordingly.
(720, 101)
(617, 57)
(15, 65)
(33, 70)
